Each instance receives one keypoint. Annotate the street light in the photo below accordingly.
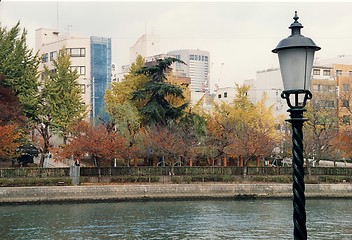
(296, 54)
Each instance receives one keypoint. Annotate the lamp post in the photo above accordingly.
(296, 54)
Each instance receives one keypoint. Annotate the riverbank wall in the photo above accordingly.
(132, 192)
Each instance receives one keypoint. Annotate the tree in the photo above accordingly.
(320, 131)
(127, 123)
(156, 109)
(10, 136)
(121, 92)
(62, 94)
(163, 142)
(343, 143)
(123, 112)
(242, 130)
(192, 129)
(254, 133)
(19, 66)
(59, 102)
(11, 111)
(95, 141)
(18, 88)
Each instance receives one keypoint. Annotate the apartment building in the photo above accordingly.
(196, 68)
(343, 76)
(91, 56)
(324, 87)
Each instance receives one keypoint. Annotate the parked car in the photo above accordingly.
(26, 153)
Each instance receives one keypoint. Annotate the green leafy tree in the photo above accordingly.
(122, 111)
(59, 102)
(156, 109)
(62, 94)
(121, 92)
(19, 66)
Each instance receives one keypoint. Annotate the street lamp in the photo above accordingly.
(296, 54)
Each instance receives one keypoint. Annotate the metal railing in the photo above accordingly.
(165, 171)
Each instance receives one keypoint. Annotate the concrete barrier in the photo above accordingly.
(50, 194)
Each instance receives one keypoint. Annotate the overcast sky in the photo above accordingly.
(238, 34)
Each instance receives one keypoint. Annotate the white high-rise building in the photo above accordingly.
(269, 82)
(91, 56)
(196, 68)
(147, 45)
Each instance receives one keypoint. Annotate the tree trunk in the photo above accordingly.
(258, 161)
(241, 161)
(135, 162)
(154, 161)
(225, 161)
(44, 132)
(190, 162)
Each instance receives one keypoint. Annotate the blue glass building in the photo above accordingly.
(100, 75)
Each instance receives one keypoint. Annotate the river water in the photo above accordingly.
(223, 219)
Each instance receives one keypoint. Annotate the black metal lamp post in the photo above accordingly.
(296, 54)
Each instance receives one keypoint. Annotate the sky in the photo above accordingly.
(238, 34)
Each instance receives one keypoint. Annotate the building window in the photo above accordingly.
(45, 58)
(330, 104)
(219, 96)
(338, 72)
(346, 119)
(83, 88)
(346, 87)
(206, 58)
(76, 52)
(332, 88)
(225, 94)
(52, 55)
(345, 103)
(81, 70)
(350, 73)
(316, 71)
(191, 57)
(326, 72)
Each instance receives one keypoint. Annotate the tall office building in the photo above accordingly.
(196, 68)
(147, 45)
(101, 74)
(90, 56)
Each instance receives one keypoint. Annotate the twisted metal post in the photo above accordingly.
(296, 119)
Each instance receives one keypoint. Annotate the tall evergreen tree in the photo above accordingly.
(62, 94)
(19, 66)
(59, 101)
(156, 108)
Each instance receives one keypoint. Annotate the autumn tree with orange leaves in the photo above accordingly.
(95, 141)
(11, 120)
(162, 142)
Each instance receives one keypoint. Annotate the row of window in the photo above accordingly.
(323, 88)
(327, 72)
(73, 52)
(325, 104)
(329, 88)
(76, 52)
(198, 58)
(225, 95)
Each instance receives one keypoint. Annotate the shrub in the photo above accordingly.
(176, 180)
(23, 182)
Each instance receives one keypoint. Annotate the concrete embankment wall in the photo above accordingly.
(16, 195)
